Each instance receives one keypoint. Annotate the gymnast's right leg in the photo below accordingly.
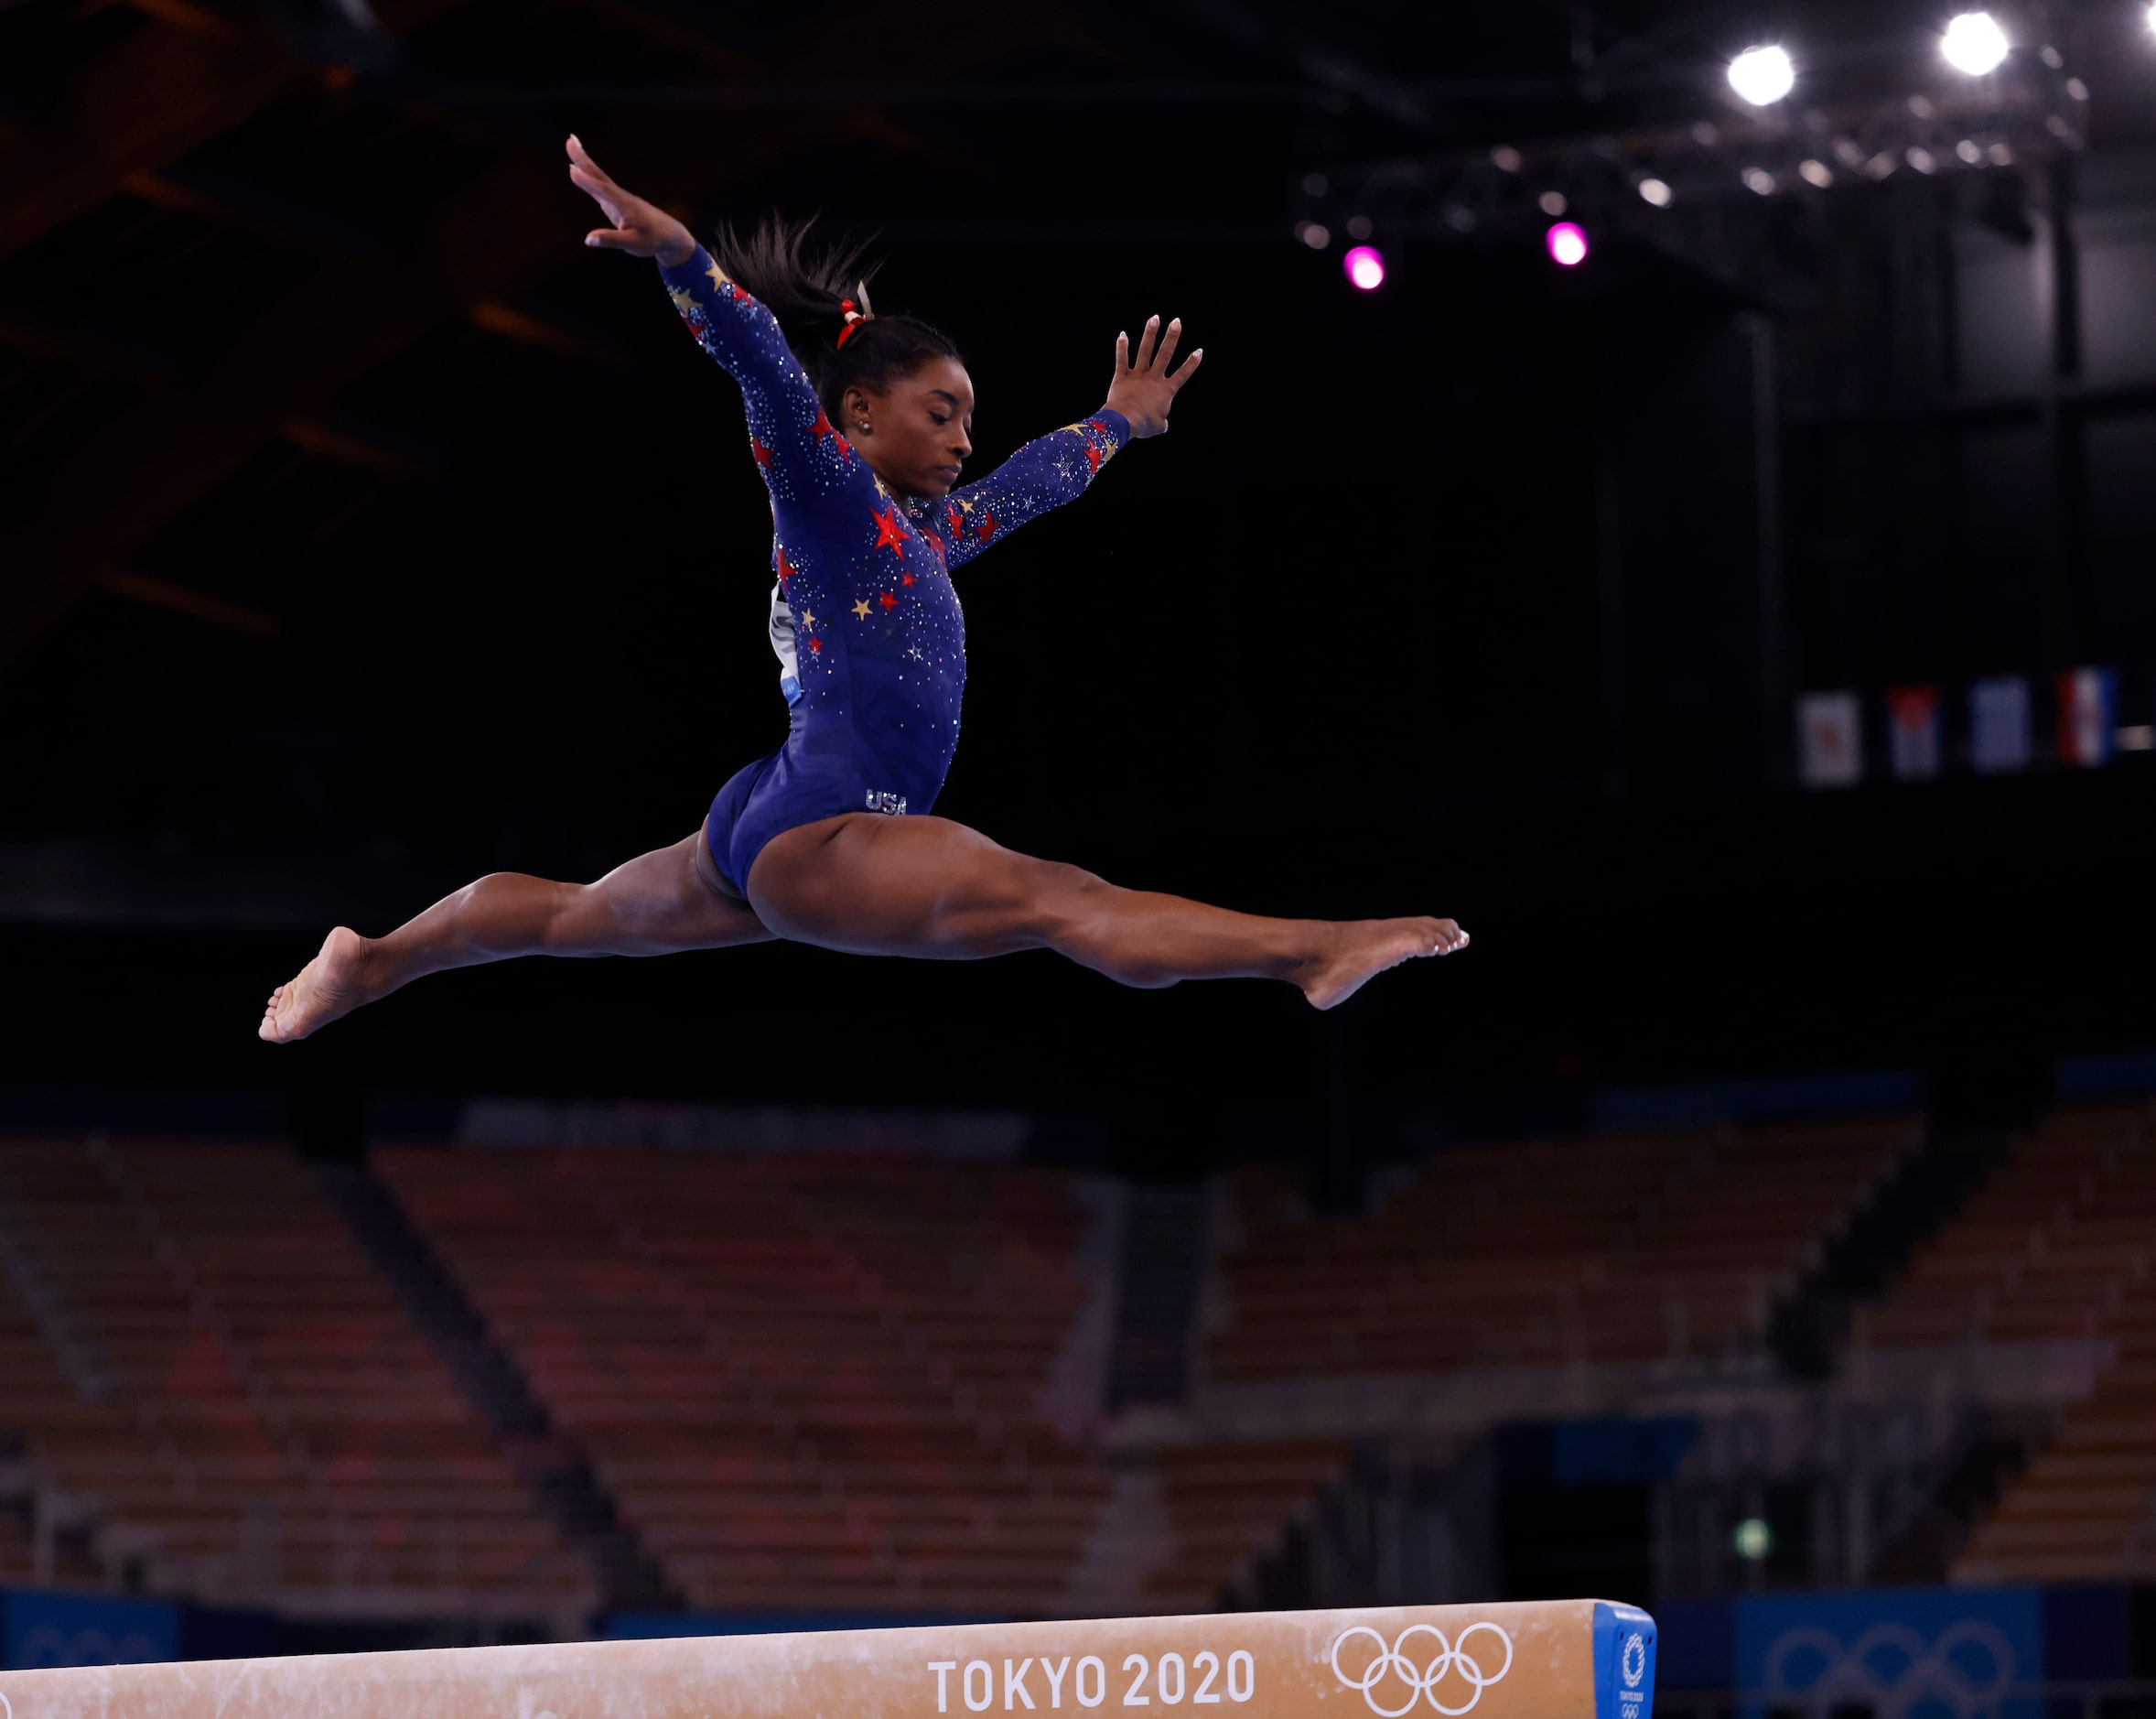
(935, 889)
(662, 904)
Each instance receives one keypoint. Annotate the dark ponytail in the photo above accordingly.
(805, 293)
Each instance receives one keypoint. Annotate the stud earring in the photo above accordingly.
(864, 425)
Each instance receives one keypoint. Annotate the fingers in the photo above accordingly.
(1146, 340)
(582, 157)
(1169, 337)
(595, 183)
(1190, 369)
(602, 191)
(1122, 353)
(613, 239)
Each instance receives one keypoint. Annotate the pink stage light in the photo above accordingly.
(1365, 267)
(1568, 245)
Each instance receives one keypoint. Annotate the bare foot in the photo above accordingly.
(1368, 947)
(328, 985)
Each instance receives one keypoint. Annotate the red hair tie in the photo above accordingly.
(854, 315)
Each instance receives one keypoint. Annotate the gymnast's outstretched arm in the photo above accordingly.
(1059, 467)
(805, 460)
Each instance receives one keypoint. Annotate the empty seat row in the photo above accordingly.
(801, 1379)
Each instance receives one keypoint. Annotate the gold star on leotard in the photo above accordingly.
(719, 276)
(682, 299)
(861, 610)
(807, 619)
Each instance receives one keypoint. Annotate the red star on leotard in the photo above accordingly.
(932, 537)
(1098, 424)
(888, 602)
(950, 520)
(1092, 456)
(905, 578)
(786, 569)
(815, 647)
(822, 427)
(887, 535)
(987, 527)
(763, 454)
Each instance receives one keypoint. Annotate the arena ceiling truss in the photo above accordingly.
(261, 266)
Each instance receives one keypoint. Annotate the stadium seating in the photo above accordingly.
(810, 1381)
(1610, 1249)
(18, 1567)
(274, 1427)
(1228, 1505)
(35, 1394)
(2060, 1243)
(817, 1382)
(2046, 1248)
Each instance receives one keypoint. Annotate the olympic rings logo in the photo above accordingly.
(1422, 1682)
(1892, 1670)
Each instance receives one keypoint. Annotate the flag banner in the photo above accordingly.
(1999, 724)
(1912, 732)
(1829, 739)
(2088, 712)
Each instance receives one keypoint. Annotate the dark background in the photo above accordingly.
(359, 533)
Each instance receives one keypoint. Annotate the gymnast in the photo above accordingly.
(860, 424)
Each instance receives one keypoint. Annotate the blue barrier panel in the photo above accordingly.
(1699, 1644)
(1863, 1092)
(1898, 1653)
(1607, 1451)
(38, 1631)
(2106, 1076)
(2088, 1633)
(1617, 1449)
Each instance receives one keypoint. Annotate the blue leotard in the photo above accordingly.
(878, 643)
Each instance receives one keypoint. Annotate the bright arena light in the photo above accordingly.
(1763, 76)
(2152, 19)
(1568, 245)
(1975, 44)
(1365, 267)
(1655, 192)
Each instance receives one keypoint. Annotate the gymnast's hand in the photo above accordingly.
(640, 228)
(1144, 391)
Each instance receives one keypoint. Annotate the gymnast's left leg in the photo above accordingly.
(928, 887)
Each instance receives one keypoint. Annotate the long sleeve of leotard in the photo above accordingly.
(805, 460)
(1044, 473)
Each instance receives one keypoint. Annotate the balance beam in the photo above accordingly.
(1549, 1660)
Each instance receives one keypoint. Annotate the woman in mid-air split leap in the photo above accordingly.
(859, 424)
